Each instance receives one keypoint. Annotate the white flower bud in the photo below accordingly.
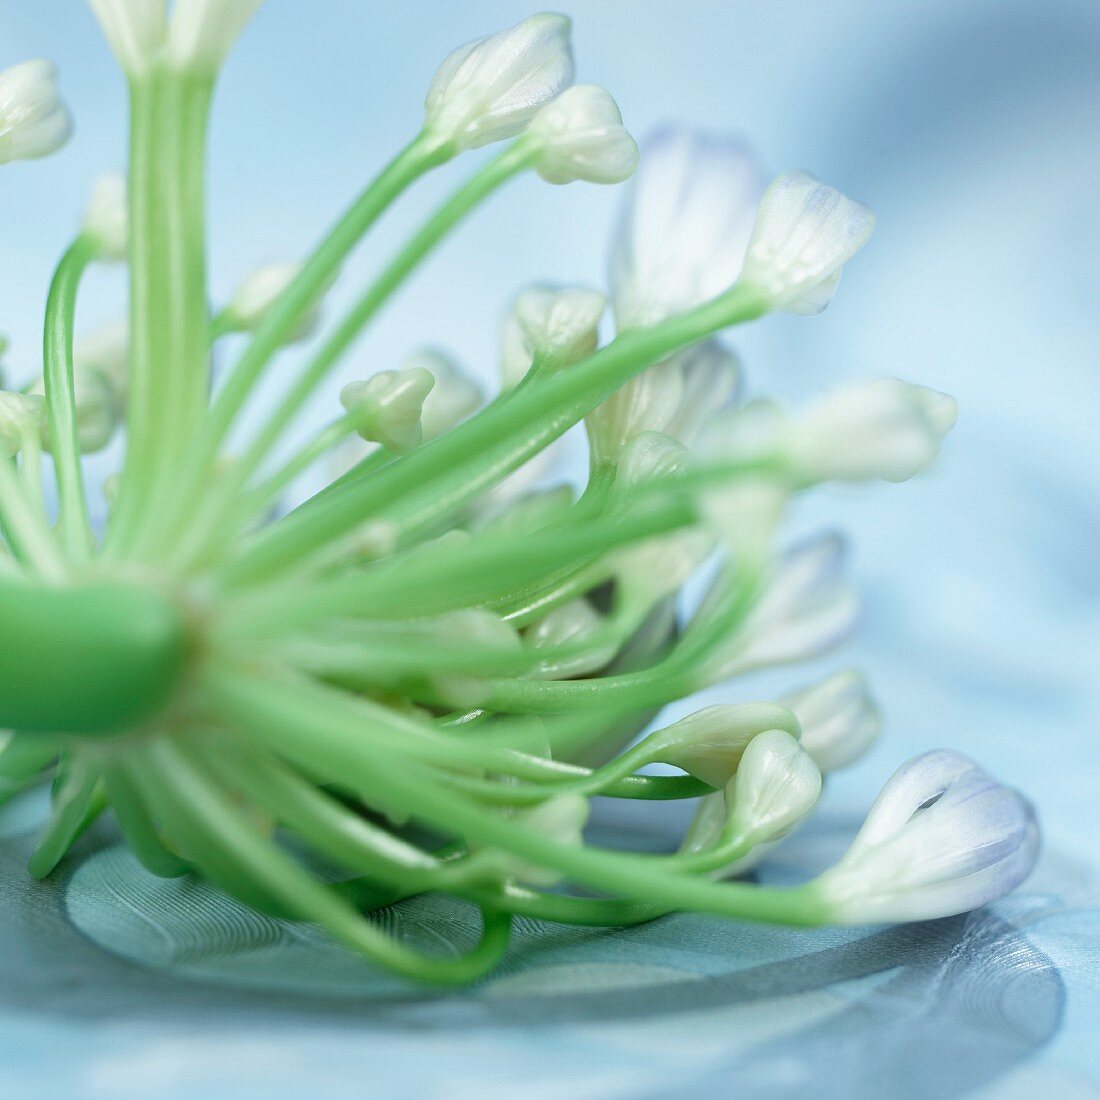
(34, 121)
(388, 405)
(804, 233)
(746, 514)
(677, 397)
(581, 137)
(99, 408)
(107, 217)
(454, 396)
(839, 719)
(490, 89)
(561, 819)
(20, 415)
(559, 325)
(776, 786)
(107, 350)
(686, 225)
(134, 29)
(710, 743)
(885, 429)
(942, 838)
(202, 32)
(257, 294)
(807, 608)
(573, 625)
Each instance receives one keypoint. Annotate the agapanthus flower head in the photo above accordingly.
(804, 233)
(683, 236)
(558, 324)
(490, 89)
(107, 217)
(388, 406)
(20, 414)
(943, 837)
(446, 636)
(580, 136)
(34, 121)
(839, 719)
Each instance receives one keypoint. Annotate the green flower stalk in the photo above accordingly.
(439, 638)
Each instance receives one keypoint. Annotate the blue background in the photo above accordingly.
(971, 127)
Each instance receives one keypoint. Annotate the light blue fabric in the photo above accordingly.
(970, 126)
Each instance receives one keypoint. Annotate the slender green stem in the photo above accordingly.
(76, 533)
(472, 457)
(30, 472)
(233, 854)
(136, 821)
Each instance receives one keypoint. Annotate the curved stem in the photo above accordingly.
(297, 728)
(76, 532)
(233, 854)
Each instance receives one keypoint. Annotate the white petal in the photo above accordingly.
(776, 786)
(838, 717)
(805, 231)
(202, 32)
(684, 231)
(34, 122)
(134, 29)
(107, 217)
(388, 406)
(560, 324)
(581, 137)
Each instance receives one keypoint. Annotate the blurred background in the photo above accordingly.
(971, 127)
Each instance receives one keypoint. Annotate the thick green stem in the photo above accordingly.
(170, 364)
(86, 660)
(76, 531)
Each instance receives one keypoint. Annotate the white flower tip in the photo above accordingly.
(453, 398)
(886, 429)
(107, 218)
(202, 32)
(839, 719)
(34, 121)
(388, 406)
(559, 325)
(776, 786)
(581, 137)
(20, 414)
(804, 233)
(942, 838)
(490, 89)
